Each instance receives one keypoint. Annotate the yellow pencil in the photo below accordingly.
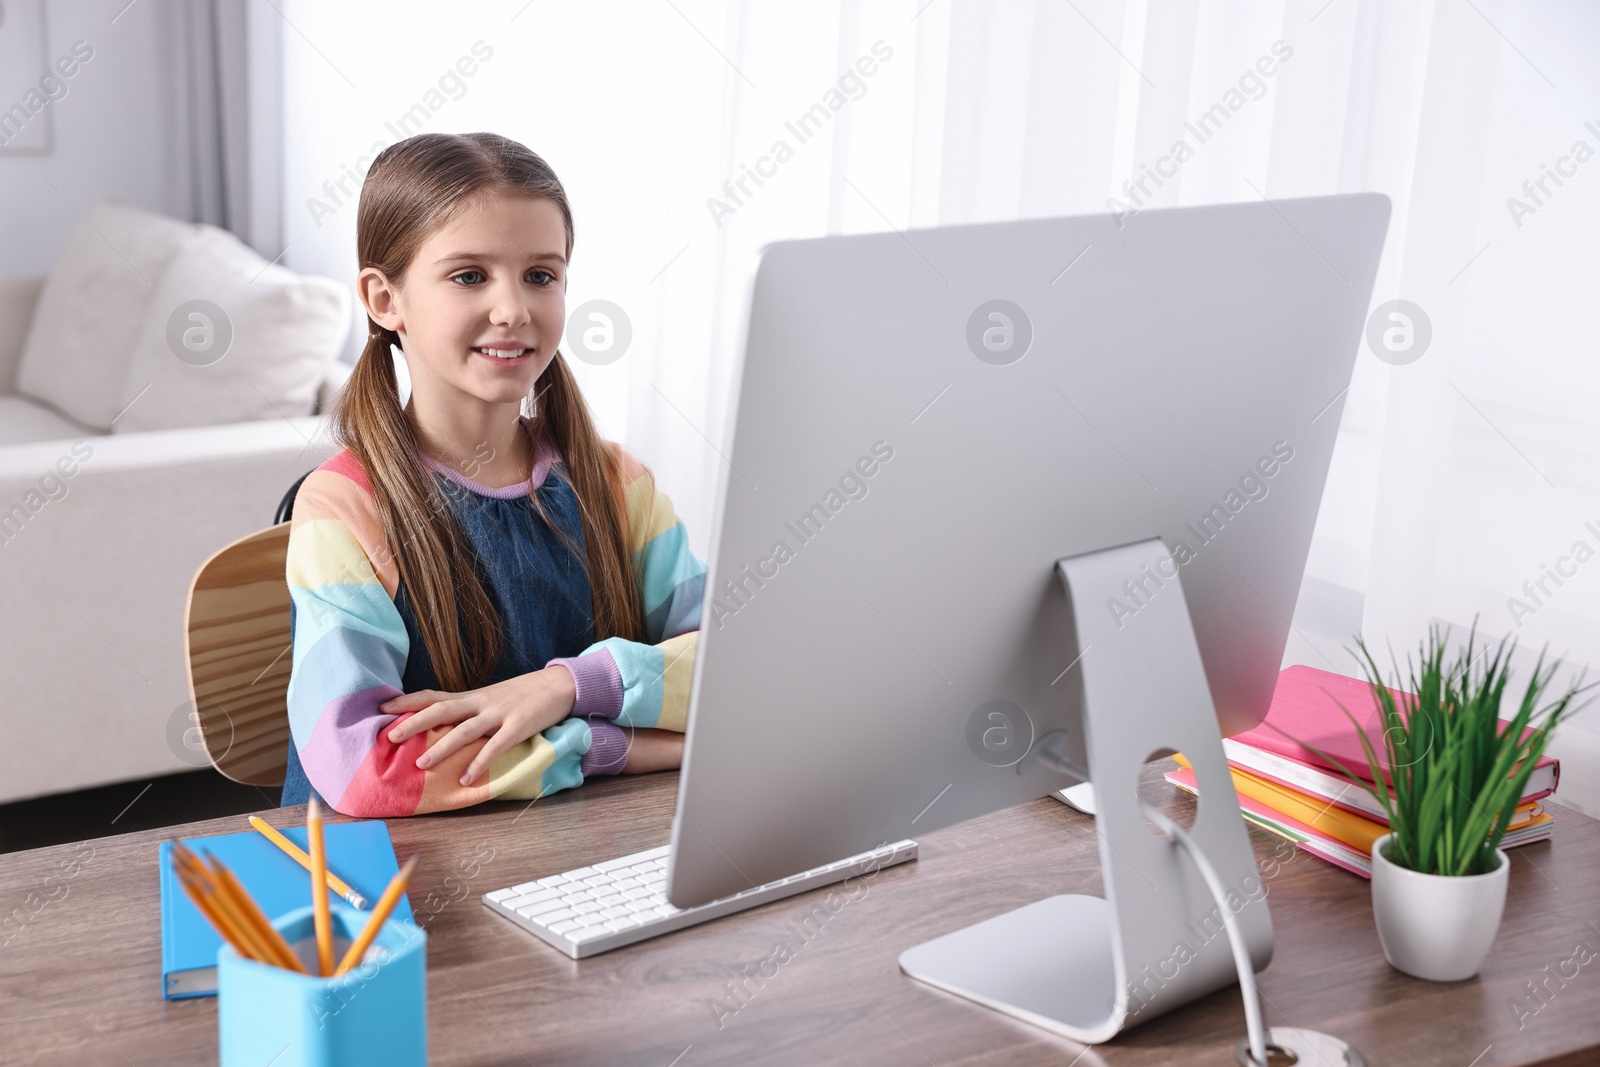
(206, 906)
(281, 953)
(260, 947)
(321, 916)
(380, 915)
(201, 887)
(295, 852)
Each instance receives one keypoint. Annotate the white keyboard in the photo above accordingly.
(615, 903)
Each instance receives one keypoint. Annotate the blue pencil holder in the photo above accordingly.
(376, 1012)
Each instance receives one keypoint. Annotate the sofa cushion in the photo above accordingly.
(229, 338)
(23, 420)
(18, 298)
(92, 308)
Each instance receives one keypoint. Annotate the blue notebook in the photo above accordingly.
(358, 852)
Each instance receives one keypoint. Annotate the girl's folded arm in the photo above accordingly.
(646, 683)
(349, 655)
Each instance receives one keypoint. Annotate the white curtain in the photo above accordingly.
(220, 62)
(1462, 480)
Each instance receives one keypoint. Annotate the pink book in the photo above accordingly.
(1305, 705)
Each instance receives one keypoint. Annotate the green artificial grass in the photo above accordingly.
(1455, 770)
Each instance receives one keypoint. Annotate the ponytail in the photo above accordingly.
(430, 549)
(595, 472)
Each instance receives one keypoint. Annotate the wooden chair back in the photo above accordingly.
(236, 639)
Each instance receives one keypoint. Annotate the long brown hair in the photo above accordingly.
(413, 187)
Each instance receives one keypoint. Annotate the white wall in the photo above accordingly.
(110, 140)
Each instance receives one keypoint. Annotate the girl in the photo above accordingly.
(485, 605)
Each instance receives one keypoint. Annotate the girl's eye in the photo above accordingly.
(540, 278)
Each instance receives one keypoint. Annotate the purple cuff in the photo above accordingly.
(608, 749)
(598, 684)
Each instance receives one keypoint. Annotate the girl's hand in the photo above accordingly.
(513, 710)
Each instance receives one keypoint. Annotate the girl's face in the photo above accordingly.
(483, 303)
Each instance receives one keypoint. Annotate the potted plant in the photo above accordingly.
(1455, 773)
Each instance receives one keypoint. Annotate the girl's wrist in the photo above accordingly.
(566, 688)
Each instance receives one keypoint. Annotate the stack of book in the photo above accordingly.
(1289, 790)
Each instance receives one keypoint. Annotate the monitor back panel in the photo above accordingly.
(900, 483)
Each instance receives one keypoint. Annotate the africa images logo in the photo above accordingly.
(1251, 486)
(738, 591)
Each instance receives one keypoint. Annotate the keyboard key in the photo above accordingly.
(546, 918)
(588, 933)
(565, 925)
(611, 865)
(627, 922)
(586, 907)
(540, 907)
(502, 894)
(611, 900)
(614, 912)
(626, 883)
(533, 898)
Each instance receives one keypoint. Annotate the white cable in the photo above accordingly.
(1241, 953)
(1047, 752)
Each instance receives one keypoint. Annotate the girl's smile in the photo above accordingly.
(505, 353)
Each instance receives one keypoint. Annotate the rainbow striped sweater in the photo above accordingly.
(351, 648)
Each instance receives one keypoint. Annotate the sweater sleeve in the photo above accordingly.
(646, 683)
(349, 654)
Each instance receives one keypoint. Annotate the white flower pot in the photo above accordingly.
(1435, 926)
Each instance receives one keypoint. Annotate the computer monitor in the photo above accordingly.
(1006, 507)
(924, 423)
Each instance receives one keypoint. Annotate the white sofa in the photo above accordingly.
(107, 510)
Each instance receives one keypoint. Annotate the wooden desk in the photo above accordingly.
(80, 976)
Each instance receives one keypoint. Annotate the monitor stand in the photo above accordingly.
(1088, 967)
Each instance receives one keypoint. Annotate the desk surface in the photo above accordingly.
(80, 962)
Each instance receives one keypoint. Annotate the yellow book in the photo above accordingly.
(1345, 826)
